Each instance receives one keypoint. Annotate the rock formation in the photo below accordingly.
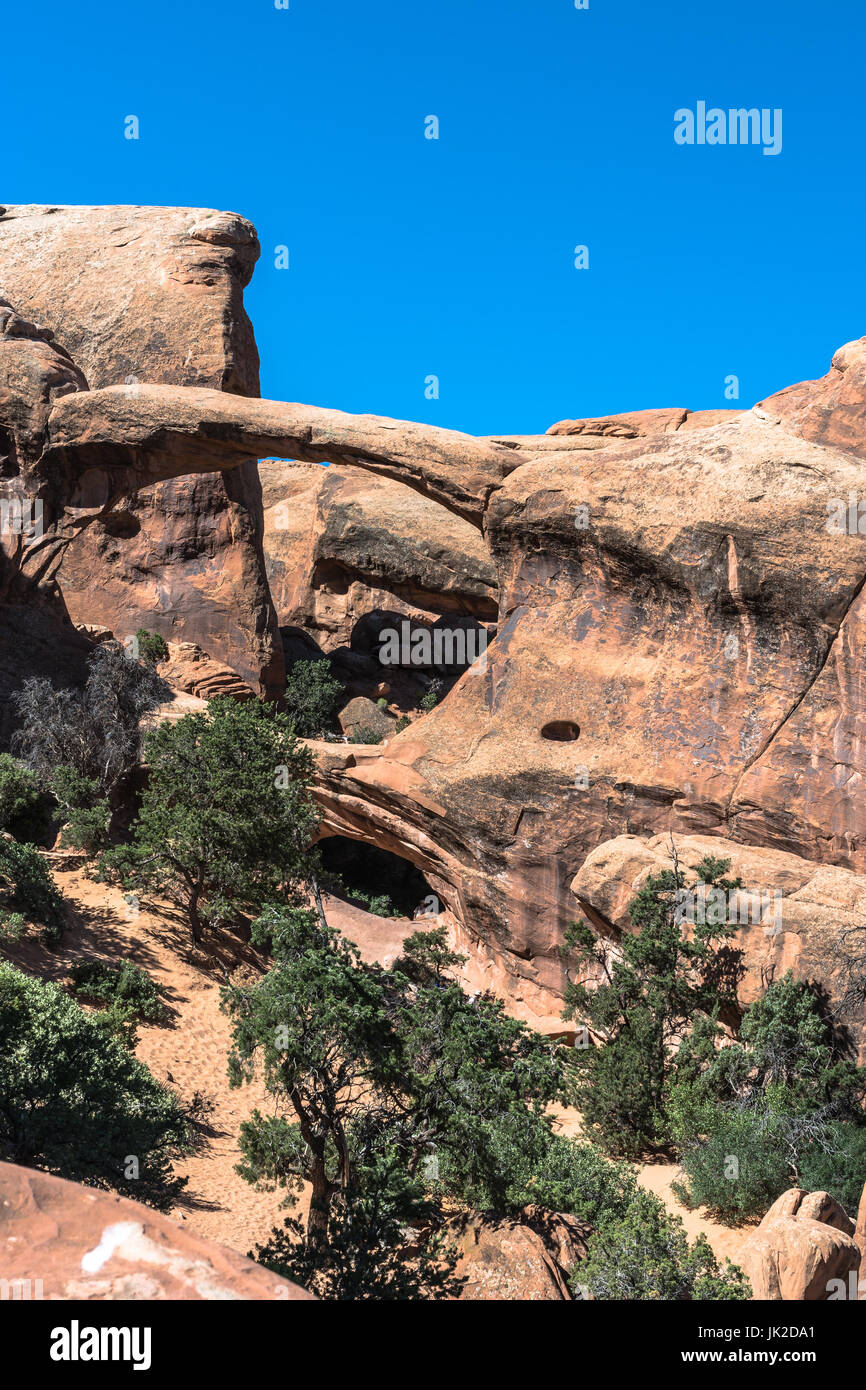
(679, 642)
(341, 545)
(528, 1260)
(60, 1240)
(803, 1244)
(156, 294)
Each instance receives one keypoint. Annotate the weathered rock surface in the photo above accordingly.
(860, 1232)
(190, 669)
(36, 635)
(60, 1240)
(156, 294)
(362, 714)
(803, 1243)
(340, 544)
(633, 424)
(523, 1261)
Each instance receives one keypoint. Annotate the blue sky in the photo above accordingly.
(412, 257)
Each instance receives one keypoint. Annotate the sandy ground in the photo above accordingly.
(725, 1240)
(658, 1177)
(189, 1052)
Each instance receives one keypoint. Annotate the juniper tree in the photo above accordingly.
(226, 819)
(647, 997)
(380, 1081)
(75, 1102)
(775, 1105)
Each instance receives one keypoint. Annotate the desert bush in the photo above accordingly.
(738, 1170)
(311, 698)
(95, 729)
(76, 1103)
(125, 984)
(645, 1255)
(779, 1106)
(364, 734)
(379, 904)
(31, 895)
(87, 813)
(838, 1166)
(152, 647)
(20, 797)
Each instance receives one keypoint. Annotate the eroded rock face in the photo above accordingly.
(526, 1261)
(860, 1232)
(341, 545)
(156, 294)
(60, 1240)
(669, 606)
(803, 1250)
(36, 635)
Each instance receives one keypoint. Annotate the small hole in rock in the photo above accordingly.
(561, 731)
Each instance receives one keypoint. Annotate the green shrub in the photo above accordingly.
(364, 734)
(378, 903)
(739, 1170)
(31, 894)
(126, 985)
(839, 1169)
(76, 1103)
(428, 701)
(151, 647)
(535, 1167)
(402, 723)
(778, 1106)
(312, 696)
(87, 812)
(20, 794)
(645, 1255)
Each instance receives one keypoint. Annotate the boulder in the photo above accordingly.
(524, 1261)
(363, 714)
(60, 1240)
(190, 669)
(138, 294)
(803, 1243)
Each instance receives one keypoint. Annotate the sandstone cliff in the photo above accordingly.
(156, 294)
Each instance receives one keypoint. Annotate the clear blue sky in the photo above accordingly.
(412, 257)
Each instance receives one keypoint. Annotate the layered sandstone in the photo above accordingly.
(679, 638)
